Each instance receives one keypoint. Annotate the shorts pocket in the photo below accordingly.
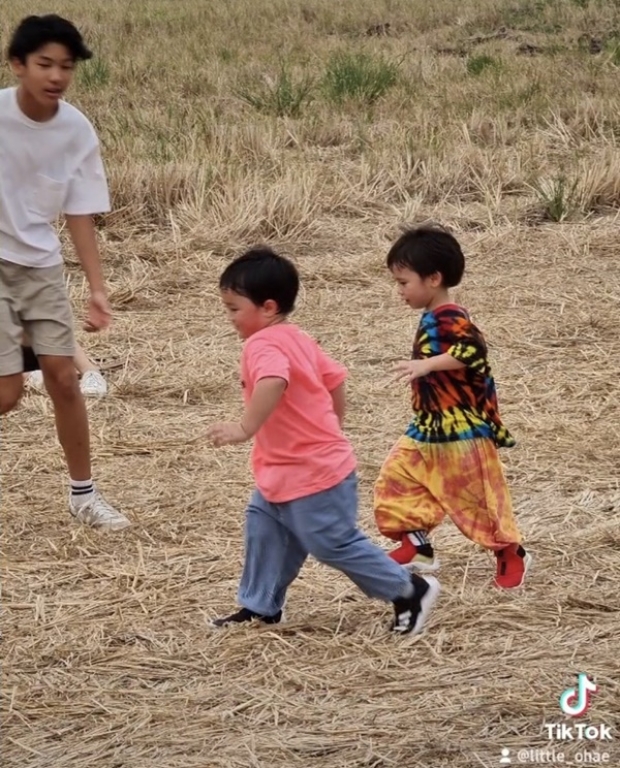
(47, 198)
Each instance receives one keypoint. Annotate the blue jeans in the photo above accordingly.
(279, 538)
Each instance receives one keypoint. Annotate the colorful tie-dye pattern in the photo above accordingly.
(448, 462)
(420, 483)
(455, 405)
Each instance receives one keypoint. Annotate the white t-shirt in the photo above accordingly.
(46, 169)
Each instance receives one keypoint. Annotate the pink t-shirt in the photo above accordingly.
(300, 449)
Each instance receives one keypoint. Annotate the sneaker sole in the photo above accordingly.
(426, 606)
(414, 567)
(119, 526)
(116, 526)
(527, 562)
(427, 603)
(218, 627)
(92, 393)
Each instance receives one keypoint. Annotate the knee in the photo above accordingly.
(330, 550)
(324, 553)
(10, 395)
(62, 382)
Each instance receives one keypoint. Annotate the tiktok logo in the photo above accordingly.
(575, 702)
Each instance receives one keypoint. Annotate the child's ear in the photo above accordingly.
(17, 67)
(271, 307)
(436, 279)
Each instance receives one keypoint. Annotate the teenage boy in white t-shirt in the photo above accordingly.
(50, 164)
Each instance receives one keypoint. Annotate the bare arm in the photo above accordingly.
(444, 362)
(339, 399)
(266, 396)
(84, 238)
(415, 369)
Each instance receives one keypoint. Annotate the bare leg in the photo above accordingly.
(82, 362)
(11, 388)
(61, 382)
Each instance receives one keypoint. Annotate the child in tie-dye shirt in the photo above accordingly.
(447, 461)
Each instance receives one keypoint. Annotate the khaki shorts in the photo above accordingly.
(35, 301)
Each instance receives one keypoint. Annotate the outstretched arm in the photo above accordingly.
(265, 398)
(415, 369)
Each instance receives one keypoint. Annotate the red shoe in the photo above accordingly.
(414, 555)
(513, 563)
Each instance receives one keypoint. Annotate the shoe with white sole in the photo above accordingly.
(34, 380)
(93, 384)
(411, 613)
(513, 563)
(98, 514)
(416, 553)
(423, 563)
(243, 616)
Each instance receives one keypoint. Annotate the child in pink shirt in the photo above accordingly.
(305, 499)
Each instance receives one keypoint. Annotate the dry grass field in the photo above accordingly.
(320, 128)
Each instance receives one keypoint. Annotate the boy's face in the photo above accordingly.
(46, 75)
(417, 291)
(247, 317)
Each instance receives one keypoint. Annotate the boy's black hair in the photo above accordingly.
(34, 32)
(426, 250)
(261, 274)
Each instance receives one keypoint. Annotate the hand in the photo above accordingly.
(99, 313)
(227, 433)
(411, 370)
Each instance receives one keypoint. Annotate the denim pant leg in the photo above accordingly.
(326, 525)
(273, 558)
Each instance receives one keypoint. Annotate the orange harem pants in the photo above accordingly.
(420, 483)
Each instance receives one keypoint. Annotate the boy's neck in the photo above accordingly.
(439, 299)
(277, 320)
(32, 109)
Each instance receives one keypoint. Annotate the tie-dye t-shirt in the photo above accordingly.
(454, 405)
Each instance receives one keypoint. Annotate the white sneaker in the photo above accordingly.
(93, 384)
(99, 514)
(34, 380)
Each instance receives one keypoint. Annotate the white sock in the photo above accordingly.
(82, 491)
(408, 591)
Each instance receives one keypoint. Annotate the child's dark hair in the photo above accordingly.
(34, 32)
(426, 250)
(260, 275)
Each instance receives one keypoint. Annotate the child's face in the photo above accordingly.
(418, 292)
(247, 317)
(46, 75)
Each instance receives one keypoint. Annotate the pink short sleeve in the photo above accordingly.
(264, 360)
(332, 373)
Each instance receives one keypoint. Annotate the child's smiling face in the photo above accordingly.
(418, 292)
(249, 318)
